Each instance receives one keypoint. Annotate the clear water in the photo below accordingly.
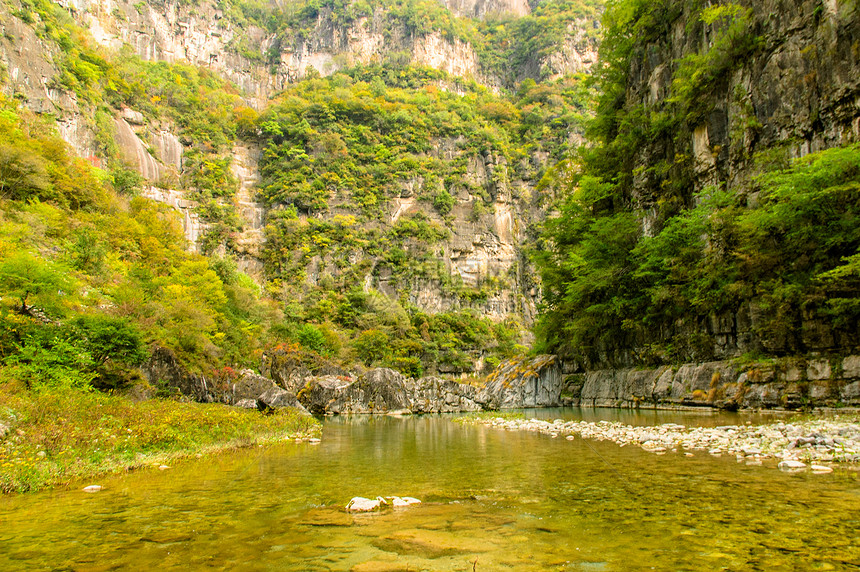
(493, 500)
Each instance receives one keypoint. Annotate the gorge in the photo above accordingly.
(582, 276)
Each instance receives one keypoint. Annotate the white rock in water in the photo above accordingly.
(92, 489)
(361, 504)
(570, 437)
(314, 441)
(163, 467)
(821, 469)
(791, 465)
(411, 500)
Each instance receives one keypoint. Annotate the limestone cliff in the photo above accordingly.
(795, 87)
(712, 96)
(780, 384)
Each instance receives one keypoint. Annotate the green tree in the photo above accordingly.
(23, 276)
(372, 346)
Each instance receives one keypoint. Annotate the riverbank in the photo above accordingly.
(53, 437)
(794, 444)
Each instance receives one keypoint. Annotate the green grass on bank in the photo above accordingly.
(61, 435)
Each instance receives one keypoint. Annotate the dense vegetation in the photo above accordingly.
(781, 247)
(90, 280)
(339, 149)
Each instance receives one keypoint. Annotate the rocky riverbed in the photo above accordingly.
(814, 443)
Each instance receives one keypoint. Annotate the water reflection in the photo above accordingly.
(494, 500)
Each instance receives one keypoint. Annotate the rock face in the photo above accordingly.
(535, 382)
(387, 391)
(247, 391)
(277, 398)
(163, 369)
(490, 217)
(782, 93)
(782, 99)
(378, 391)
(785, 384)
(288, 368)
(436, 395)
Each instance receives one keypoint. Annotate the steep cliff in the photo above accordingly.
(704, 223)
(183, 94)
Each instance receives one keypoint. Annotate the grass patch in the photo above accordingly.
(60, 435)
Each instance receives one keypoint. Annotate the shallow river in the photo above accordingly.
(493, 500)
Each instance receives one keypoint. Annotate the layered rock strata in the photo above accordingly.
(784, 384)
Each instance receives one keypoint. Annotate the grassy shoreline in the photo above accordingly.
(59, 436)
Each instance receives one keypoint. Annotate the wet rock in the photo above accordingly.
(326, 517)
(381, 566)
(361, 504)
(428, 544)
(791, 465)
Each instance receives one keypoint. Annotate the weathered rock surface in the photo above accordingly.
(436, 395)
(250, 386)
(532, 382)
(786, 383)
(248, 391)
(522, 382)
(795, 93)
(277, 398)
(378, 391)
(289, 369)
(163, 369)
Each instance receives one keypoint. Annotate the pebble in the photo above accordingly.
(828, 440)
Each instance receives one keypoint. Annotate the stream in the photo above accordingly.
(492, 500)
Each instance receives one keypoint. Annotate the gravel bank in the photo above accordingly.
(812, 443)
